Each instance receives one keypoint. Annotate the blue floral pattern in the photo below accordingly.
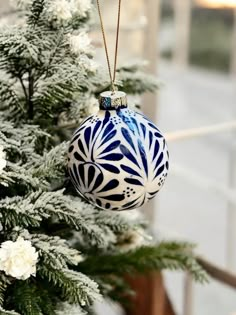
(118, 159)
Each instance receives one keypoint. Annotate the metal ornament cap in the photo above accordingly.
(112, 100)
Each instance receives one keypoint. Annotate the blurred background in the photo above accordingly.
(197, 62)
(191, 47)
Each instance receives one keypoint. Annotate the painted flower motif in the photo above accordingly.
(79, 43)
(3, 162)
(18, 259)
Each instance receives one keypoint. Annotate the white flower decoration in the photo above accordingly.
(3, 162)
(18, 259)
(81, 7)
(133, 239)
(79, 43)
(61, 10)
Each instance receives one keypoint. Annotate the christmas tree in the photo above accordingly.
(58, 253)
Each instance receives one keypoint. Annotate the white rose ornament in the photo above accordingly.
(18, 259)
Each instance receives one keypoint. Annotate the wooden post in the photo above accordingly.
(150, 296)
(188, 295)
(182, 11)
(233, 52)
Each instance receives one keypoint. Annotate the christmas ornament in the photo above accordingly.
(118, 158)
(18, 259)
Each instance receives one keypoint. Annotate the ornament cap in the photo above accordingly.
(112, 100)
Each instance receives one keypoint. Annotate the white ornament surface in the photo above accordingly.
(118, 159)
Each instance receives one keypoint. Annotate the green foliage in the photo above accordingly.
(30, 303)
(4, 283)
(75, 287)
(37, 298)
(166, 255)
(23, 144)
(36, 10)
(9, 98)
(50, 166)
(130, 78)
(134, 81)
(17, 211)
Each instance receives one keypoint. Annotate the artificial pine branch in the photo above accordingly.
(30, 96)
(4, 312)
(25, 299)
(166, 255)
(17, 211)
(68, 309)
(36, 10)
(4, 283)
(8, 96)
(75, 287)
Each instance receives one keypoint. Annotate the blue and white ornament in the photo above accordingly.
(118, 158)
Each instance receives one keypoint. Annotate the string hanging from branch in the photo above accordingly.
(112, 78)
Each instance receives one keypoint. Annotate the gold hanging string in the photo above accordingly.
(117, 40)
(112, 78)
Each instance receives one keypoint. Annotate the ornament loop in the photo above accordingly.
(110, 100)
